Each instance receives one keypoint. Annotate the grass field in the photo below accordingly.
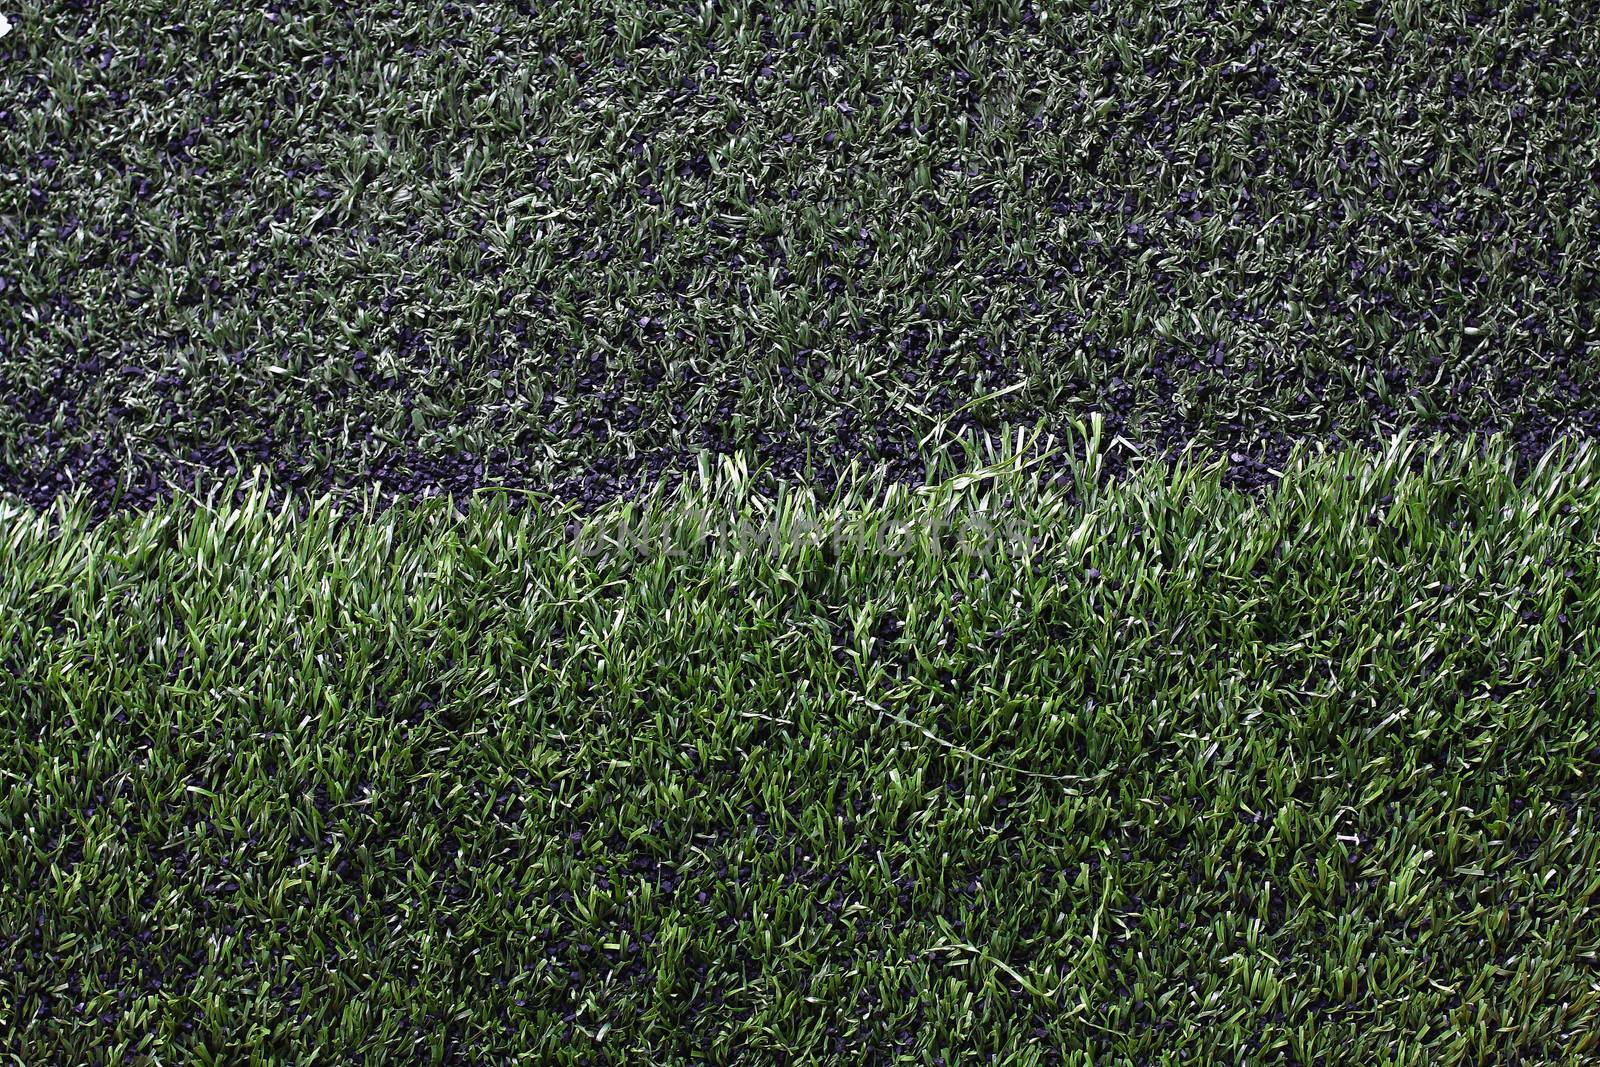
(569, 245)
(1009, 533)
(1165, 773)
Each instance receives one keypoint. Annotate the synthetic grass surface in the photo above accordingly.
(567, 245)
(1178, 775)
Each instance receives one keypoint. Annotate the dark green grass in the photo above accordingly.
(569, 244)
(1197, 777)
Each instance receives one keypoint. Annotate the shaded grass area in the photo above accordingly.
(569, 245)
(1179, 775)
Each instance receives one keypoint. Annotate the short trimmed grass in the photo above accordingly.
(566, 245)
(1199, 777)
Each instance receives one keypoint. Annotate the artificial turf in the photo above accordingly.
(1162, 772)
(882, 726)
(569, 245)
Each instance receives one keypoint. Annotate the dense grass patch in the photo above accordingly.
(1193, 777)
(569, 244)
